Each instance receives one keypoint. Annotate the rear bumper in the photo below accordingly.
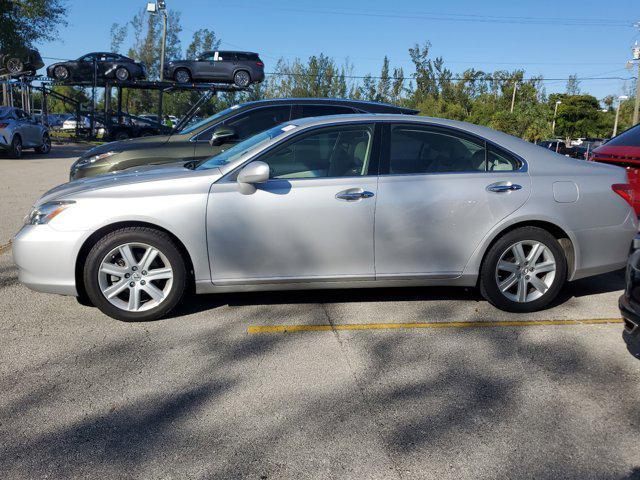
(46, 258)
(630, 316)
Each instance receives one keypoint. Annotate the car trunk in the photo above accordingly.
(627, 157)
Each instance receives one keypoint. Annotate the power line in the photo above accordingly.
(450, 17)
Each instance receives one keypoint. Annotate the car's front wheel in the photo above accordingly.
(46, 145)
(182, 75)
(135, 274)
(61, 73)
(524, 270)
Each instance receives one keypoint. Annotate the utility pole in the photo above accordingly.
(635, 50)
(615, 123)
(513, 97)
(160, 7)
(555, 112)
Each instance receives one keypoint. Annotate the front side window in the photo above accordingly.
(241, 149)
(257, 120)
(416, 150)
(332, 152)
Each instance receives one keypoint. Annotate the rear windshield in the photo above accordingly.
(628, 138)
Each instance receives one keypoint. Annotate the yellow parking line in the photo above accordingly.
(5, 247)
(385, 326)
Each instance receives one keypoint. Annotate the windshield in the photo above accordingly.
(628, 138)
(206, 121)
(240, 149)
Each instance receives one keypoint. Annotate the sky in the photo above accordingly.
(550, 38)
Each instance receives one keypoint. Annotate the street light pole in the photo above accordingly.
(615, 123)
(636, 107)
(555, 112)
(164, 42)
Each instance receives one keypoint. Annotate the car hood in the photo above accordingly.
(131, 144)
(128, 177)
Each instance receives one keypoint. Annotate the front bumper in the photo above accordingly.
(46, 258)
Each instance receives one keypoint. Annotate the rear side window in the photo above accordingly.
(628, 138)
(424, 150)
(323, 110)
(258, 120)
(416, 150)
(246, 56)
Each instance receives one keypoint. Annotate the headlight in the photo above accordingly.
(95, 158)
(45, 212)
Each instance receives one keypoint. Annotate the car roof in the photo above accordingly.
(372, 107)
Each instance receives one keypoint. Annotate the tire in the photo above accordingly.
(550, 281)
(14, 65)
(61, 73)
(241, 79)
(134, 242)
(46, 145)
(182, 75)
(15, 150)
(122, 74)
(120, 136)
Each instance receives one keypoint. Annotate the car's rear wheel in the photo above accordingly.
(182, 75)
(14, 65)
(15, 150)
(524, 270)
(46, 145)
(135, 274)
(242, 78)
(61, 73)
(122, 74)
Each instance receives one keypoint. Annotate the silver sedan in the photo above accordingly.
(334, 202)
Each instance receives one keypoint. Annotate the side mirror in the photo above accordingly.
(255, 172)
(222, 135)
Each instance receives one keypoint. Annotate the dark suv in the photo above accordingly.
(207, 137)
(239, 68)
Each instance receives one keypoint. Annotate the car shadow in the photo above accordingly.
(605, 283)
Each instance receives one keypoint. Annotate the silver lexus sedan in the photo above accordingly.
(334, 202)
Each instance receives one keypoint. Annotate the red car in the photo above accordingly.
(624, 151)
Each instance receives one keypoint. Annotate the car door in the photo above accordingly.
(225, 65)
(245, 124)
(440, 193)
(312, 221)
(204, 68)
(85, 68)
(26, 128)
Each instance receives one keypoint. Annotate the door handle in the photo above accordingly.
(353, 194)
(501, 187)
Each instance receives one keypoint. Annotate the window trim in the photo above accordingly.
(384, 164)
(374, 160)
(194, 138)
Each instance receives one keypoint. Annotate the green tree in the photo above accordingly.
(578, 116)
(24, 23)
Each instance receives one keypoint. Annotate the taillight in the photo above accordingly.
(4, 125)
(260, 64)
(625, 191)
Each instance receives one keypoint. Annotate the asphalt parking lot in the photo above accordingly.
(311, 384)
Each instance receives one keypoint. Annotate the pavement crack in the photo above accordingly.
(361, 389)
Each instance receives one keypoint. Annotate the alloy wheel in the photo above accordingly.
(46, 144)
(122, 74)
(60, 72)
(242, 79)
(182, 76)
(14, 65)
(525, 271)
(135, 277)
